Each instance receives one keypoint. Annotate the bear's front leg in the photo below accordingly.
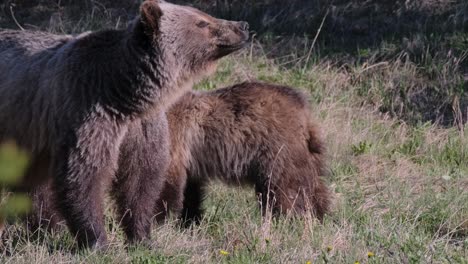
(84, 163)
(143, 162)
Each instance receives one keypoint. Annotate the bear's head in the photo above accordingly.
(190, 41)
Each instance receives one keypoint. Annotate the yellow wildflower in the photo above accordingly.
(223, 252)
(309, 262)
(370, 254)
(356, 262)
(329, 248)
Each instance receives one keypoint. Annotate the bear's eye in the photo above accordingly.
(202, 24)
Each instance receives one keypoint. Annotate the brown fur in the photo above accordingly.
(142, 156)
(71, 100)
(251, 133)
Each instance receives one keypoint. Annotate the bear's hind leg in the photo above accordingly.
(321, 199)
(44, 215)
(38, 183)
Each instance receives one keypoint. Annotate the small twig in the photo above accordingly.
(458, 115)
(268, 206)
(14, 18)
(252, 46)
(373, 66)
(314, 41)
(118, 23)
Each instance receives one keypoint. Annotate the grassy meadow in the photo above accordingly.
(393, 114)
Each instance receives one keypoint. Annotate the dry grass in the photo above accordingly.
(400, 193)
(400, 183)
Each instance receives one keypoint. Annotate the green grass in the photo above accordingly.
(400, 193)
(400, 182)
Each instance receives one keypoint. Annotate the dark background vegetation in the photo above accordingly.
(432, 34)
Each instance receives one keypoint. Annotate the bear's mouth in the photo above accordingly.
(234, 47)
(226, 49)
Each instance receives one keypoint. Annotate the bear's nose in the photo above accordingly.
(244, 25)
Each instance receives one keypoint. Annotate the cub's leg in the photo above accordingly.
(297, 188)
(321, 199)
(143, 162)
(83, 166)
(263, 173)
(182, 196)
(194, 195)
(266, 197)
(280, 191)
(172, 193)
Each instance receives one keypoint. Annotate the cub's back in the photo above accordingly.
(260, 107)
(245, 106)
(255, 96)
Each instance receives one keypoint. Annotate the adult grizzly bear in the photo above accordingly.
(70, 101)
(250, 133)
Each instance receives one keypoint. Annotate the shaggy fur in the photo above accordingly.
(70, 100)
(143, 154)
(251, 133)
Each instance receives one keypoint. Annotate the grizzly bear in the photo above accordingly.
(250, 133)
(70, 100)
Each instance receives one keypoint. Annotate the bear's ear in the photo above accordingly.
(150, 15)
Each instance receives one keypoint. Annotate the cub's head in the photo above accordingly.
(189, 40)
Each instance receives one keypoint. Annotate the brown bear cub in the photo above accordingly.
(70, 101)
(250, 133)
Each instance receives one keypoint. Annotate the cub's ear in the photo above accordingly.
(150, 15)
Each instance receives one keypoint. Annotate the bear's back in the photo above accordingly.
(229, 127)
(260, 108)
(24, 45)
